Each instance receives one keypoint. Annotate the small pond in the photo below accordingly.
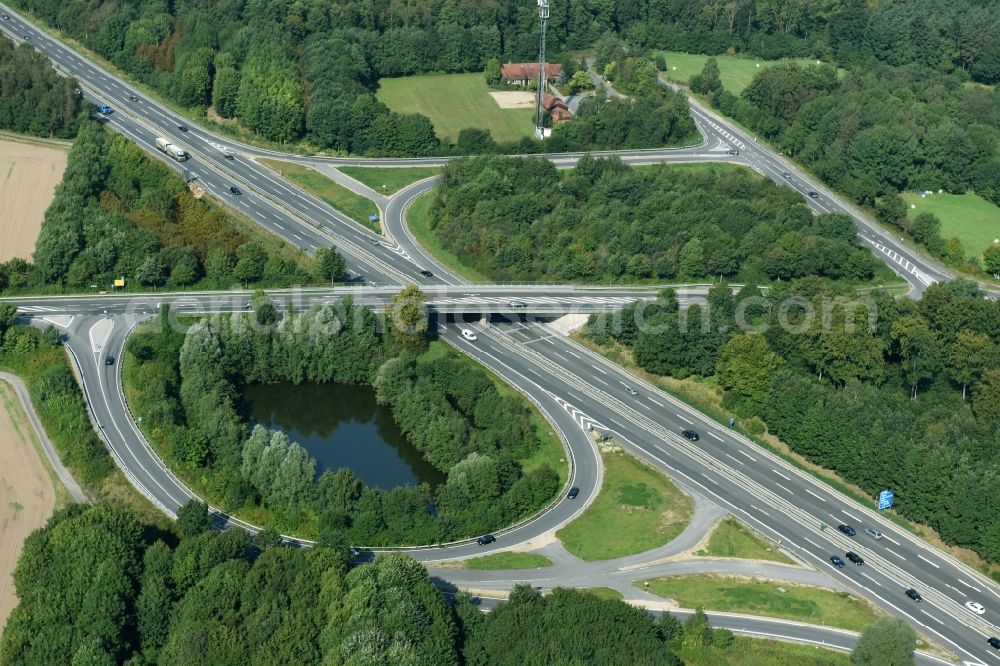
(341, 425)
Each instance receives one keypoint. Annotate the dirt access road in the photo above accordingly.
(29, 173)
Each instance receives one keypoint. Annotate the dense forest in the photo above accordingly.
(289, 71)
(119, 213)
(33, 98)
(97, 587)
(604, 221)
(186, 387)
(889, 393)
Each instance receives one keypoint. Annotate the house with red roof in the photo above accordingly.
(522, 73)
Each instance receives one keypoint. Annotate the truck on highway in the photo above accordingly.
(175, 152)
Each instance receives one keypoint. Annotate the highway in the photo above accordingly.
(574, 388)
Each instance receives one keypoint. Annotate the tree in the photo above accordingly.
(193, 518)
(580, 81)
(708, 82)
(889, 641)
(746, 368)
(250, 259)
(8, 315)
(408, 318)
(330, 265)
(991, 258)
(919, 349)
(970, 355)
(492, 72)
(986, 397)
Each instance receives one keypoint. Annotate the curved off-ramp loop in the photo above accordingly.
(91, 339)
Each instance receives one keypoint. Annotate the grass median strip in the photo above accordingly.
(354, 206)
(637, 509)
(388, 181)
(509, 561)
(758, 597)
(731, 539)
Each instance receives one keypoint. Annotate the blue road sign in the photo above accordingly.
(885, 499)
(373, 217)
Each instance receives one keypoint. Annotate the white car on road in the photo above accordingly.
(468, 335)
(975, 607)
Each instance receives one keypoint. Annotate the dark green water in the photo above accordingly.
(341, 425)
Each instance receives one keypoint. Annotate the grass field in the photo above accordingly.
(418, 221)
(454, 102)
(389, 181)
(757, 597)
(757, 652)
(350, 204)
(509, 561)
(735, 72)
(731, 539)
(636, 509)
(969, 217)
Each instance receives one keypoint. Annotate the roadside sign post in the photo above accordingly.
(885, 499)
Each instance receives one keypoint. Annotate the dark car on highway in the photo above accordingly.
(913, 594)
(573, 492)
(854, 557)
(109, 360)
(182, 128)
(486, 539)
(690, 434)
(847, 529)
(426, 273)
(994, 642)
(837, 562)
(234, 189)
(133, 98)
(814, 194)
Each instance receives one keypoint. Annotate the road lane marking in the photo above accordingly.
(781, 475)
(821, 499)
(850, 516)
(761, 510)
(870, 578)
(710, 478)
(784, 488)
(656, 401)
(736, 459)
(892, 552)
(742, 452)
(928, 561)
(684, 419)
(813, 542)
(931, 616)
(712, 434)
(971, 587)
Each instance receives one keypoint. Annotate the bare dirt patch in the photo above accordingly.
(29, 173)
(514, 99)
(27, 496)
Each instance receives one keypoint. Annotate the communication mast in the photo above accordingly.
(543, 18)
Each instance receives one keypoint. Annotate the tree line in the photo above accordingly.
(604, 221)
(33, 98)
(96, 586)
(187, 388)
(119, 213)
(890, 394)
